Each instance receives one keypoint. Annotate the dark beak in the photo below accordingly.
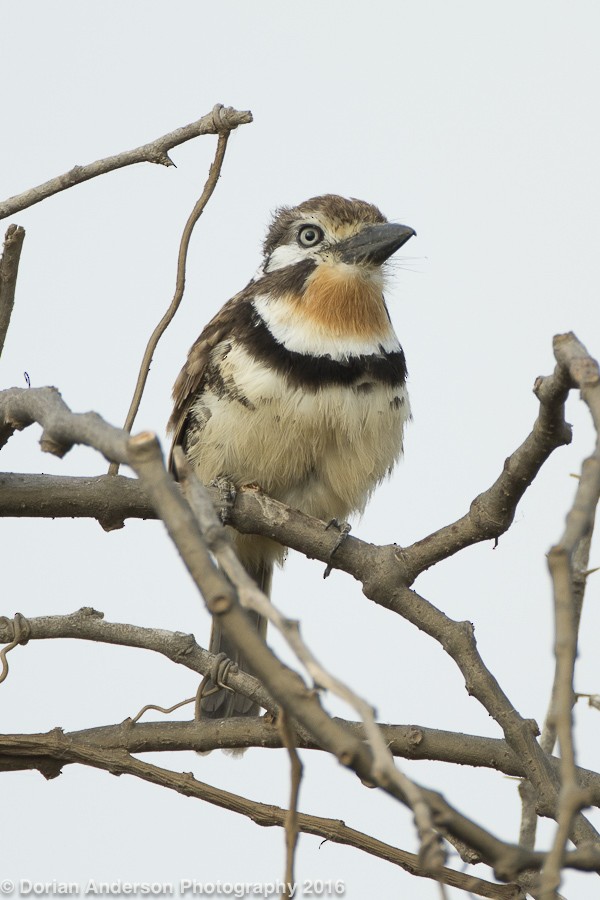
(374, 244)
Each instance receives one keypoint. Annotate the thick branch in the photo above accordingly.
(20, 407)
(407, 741)
(62, 496)
(219, 120)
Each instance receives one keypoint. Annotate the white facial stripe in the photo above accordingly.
(301, 336)
(287, 255)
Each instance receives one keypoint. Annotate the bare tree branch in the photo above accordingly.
(68, 750)
(20, 407)
(9, 268)
(56, 496)
(89, 625)
(378, 568)
(528, 829)
(385, 584)
(288, 690)
(220, 119)
(579, 527)
(251, 597)
(409, 741)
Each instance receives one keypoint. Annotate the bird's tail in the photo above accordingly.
(220, 703)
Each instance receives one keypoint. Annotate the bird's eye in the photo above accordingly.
(310, 235)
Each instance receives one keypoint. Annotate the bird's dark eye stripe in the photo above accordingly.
(310, 235)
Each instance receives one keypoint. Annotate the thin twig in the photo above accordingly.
(529, 819)
(9, 267)
(579, 527)
(166, 710)
(291, 818)
(155, 152)
(209, 187)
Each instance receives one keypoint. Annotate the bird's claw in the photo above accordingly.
(344, 530)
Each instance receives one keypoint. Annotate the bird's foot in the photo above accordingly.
(344, 530)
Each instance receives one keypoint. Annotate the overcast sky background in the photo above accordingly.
(475, 123)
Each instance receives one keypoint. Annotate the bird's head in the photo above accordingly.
(334, 231)
(323, 262)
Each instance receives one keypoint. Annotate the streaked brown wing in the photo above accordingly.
(190, 380)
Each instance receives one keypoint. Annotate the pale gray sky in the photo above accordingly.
(475, 123)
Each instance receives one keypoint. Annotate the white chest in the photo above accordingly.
(321, 451)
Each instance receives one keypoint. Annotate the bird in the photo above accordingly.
(298, 385)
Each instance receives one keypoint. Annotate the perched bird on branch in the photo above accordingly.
(298, 384)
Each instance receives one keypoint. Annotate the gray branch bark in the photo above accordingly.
(157, 151)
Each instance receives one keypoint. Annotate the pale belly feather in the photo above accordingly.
(322, 452)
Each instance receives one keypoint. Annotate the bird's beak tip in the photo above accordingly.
(376, 243)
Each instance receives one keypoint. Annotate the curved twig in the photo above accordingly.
(209, 187)
(166, 710)
(21, 633)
